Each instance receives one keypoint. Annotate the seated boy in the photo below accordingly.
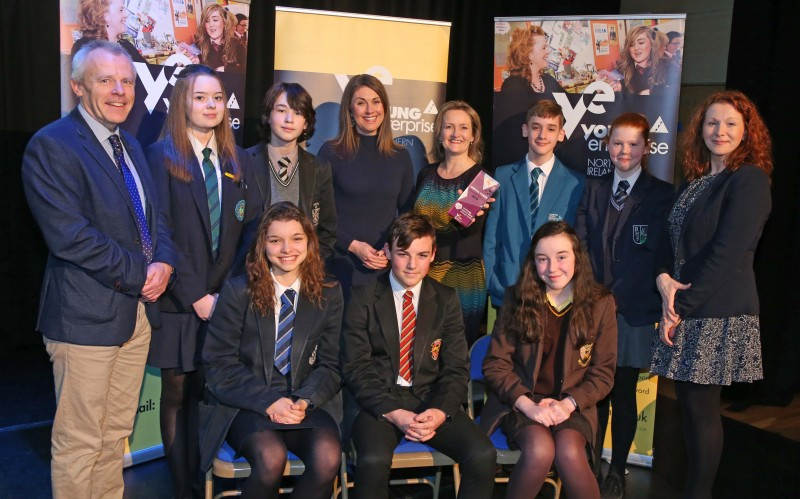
(405, 362)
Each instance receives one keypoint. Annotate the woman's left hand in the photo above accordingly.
(666, 330)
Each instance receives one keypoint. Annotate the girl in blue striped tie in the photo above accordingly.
(271, 359)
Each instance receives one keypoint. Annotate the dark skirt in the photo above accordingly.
(513, 422)
(178, 343)
(248, 422)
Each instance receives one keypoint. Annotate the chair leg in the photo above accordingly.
(209, 484)
(456, 477)
(436, 482)
(342, 479)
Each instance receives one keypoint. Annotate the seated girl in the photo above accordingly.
(272, 356)
(551, 359)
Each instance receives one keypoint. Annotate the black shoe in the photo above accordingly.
(613, 486)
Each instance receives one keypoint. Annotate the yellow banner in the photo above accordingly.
(641, 451)
(330, 42)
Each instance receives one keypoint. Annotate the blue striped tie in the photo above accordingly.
(534, 189)
(212, 191)
(133, 192)
(283, 343)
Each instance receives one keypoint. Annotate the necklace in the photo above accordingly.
(540, 88)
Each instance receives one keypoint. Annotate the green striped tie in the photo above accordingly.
(212, 191)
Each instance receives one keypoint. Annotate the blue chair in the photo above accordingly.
(226, 465)
(505, 456)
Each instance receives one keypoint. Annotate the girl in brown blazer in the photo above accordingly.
(551, 359)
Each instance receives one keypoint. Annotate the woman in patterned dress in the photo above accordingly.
(459, 251)
(709, 330)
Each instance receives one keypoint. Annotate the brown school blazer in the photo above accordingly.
(511, 368)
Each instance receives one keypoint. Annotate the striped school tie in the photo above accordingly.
(283, 343)
(621, 194)
(407, 336)
(534, 190)
(212, 192)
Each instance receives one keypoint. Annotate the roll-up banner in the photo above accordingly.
(161, 36)
(595, 69)
(344, 45)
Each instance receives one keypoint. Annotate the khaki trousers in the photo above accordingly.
(97, 395)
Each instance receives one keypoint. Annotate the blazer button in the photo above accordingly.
(117, 285)
(682, 261)
(137, 241)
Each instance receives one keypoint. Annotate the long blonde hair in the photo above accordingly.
(204, 41)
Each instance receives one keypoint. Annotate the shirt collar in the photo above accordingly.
(198, 147)
(546, 167)
(280, 288)
(399, 290)
(101, 132)
(631, 178)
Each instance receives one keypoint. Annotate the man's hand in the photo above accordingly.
(156, 282)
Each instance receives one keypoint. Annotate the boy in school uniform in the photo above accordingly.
(405, 362)
(536, 189)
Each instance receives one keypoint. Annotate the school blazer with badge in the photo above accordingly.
(635, 241)
(95, 267)
(511, 368)
(508, 233)
(185, 204)
(371, 348)
(316, 191)
(239, 356)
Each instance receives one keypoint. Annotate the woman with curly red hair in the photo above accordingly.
(710, 330)
(527, 62)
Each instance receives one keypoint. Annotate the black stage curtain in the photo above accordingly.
(762, 53)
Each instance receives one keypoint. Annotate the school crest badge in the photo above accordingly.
(435, 347)
(639, 234)
(239, 210)
(313, 357)
(315, 214)
(585, 354)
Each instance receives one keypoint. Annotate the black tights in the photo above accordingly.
(318, 448)
(623, 425)
(702, 431)
(540, 448)
(180, 395)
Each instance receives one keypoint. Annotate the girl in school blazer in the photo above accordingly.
(272, 361)
(200, 179)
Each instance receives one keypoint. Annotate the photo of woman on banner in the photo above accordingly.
(527, 62)
(527, 83)
(642, 68)
(104, 20)
(216, 46)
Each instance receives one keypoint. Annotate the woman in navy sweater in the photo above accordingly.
(373, 181)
